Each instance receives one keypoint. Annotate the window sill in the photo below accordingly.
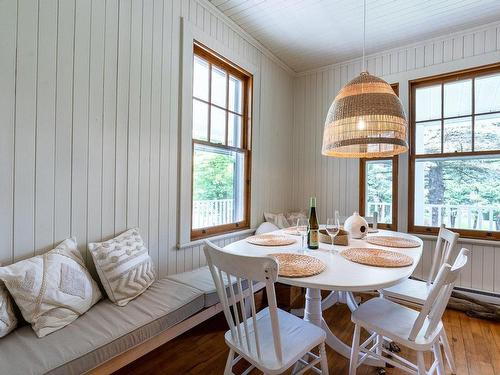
(216, 238)
(474, 241)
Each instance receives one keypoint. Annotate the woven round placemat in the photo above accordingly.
(298, 265)
(271, 240)
(391, 241)
(377, 257)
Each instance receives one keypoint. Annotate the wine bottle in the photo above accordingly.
(313, 235)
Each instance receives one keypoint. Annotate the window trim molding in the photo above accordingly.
(189, 35)
(221, 62)
(395, 183)
(412, 157)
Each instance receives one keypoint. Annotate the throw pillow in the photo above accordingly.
(8, 319)
(124, 266)
(51, 290)
(292, 217)
(277, 219)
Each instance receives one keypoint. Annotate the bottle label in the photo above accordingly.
(314, 238)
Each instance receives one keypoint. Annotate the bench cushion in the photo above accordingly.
(201, 279)
(106, 330)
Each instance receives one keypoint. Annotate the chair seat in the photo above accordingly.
(395, 322)
(297, 337)
(409, 290)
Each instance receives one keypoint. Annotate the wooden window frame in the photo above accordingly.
(230, 68)
(362, 183)
(413, 157)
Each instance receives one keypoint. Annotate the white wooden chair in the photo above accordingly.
(271, 340)
(416, 291)
(420, 331)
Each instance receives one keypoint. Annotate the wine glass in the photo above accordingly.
(303, 228)
(333, 227)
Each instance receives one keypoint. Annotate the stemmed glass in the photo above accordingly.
(303, 228)
(333, 227)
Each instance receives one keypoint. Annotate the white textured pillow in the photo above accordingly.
(277, 219)
(53, 289)
(292, 217)
(8, 319)
(124, 266)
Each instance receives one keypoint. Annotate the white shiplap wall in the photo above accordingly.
(89, 103)
(336, 181)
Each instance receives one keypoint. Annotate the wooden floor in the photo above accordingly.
(475, 343)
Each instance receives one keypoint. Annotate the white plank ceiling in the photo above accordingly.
(306, 34)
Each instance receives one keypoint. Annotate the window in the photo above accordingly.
(455, 153)
(378, 187)
(221, 152)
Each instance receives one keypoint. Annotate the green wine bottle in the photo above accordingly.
(313, 235)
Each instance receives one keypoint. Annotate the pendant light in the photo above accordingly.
(366, 119)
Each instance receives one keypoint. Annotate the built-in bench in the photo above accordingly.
(109, 337)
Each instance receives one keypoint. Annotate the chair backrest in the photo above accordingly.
(228, 268)
(444, 246)
(433, 308)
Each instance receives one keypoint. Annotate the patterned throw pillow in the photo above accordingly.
(124, 266)
(53, 289)
(8, 320)
(292, 217)
(277, 219)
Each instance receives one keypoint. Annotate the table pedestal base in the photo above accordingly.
(313, 313)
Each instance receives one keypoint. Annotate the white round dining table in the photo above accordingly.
(341, 276)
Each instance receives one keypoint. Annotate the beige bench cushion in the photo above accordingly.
(105, 331)
(201, 279)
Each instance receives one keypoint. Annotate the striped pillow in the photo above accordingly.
(124, 266)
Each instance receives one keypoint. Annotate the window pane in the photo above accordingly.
(458, 98)
(487, 132)
(218, 87)
(487, 95)
(428, 103)
(218, 186)
(217, 125)
(461, 193)
(200, 78)
(428, 137)
(234, 136)
(235, 95)
(200, 120)
(458, 135)
(379, 189)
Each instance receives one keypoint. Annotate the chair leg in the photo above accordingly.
(379, 341)
(229, 363)
(421, 364)
(447, 352)
(354, 350)
(439, 357)
(324, 360)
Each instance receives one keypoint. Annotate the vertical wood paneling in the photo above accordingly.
(110, 117)
(122, 114)
(64, 120)
(95, 131)
(81, 82)
(8, 43)
(90, 124)
(45, 126)
(25, 129)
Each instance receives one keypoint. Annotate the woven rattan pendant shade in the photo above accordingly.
(366, 120)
